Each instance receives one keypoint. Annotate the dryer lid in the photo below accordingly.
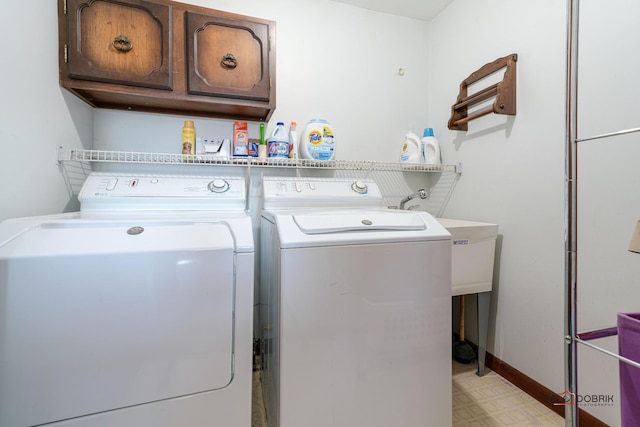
(78, 232)
(338, 222)
(79, 238)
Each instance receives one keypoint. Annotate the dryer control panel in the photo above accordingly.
(288, 192)
(109, 191)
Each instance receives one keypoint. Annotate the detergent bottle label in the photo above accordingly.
(410, 152)
(278, 149)
(320, 143)
(404, 156)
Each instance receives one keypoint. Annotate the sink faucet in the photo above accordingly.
(422, 193)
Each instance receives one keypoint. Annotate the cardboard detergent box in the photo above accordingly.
(240, 139)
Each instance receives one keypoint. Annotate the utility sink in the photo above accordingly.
(473, 252)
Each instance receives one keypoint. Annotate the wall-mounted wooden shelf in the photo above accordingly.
(504, 93)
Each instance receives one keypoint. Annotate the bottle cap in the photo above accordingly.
(188, 123)
(427, 132)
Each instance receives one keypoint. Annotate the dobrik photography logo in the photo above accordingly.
(570, 399)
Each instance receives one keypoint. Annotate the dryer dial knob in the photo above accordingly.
(218, 186)
(359, 187)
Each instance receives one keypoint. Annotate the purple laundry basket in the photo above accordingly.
(629, 347)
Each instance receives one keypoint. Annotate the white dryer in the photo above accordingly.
(136, 311)
(355, 308)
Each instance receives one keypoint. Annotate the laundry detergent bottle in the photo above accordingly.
(430, 148)
(410, 152)
(317, 141)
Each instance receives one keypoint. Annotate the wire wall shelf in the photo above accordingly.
(76, 155)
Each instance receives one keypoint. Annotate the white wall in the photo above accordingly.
(36, 115)
(513, 168)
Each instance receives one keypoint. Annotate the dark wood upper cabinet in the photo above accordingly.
(120, 43)
(167, 57)
(227, 57)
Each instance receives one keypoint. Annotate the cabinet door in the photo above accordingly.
(126, 42)
(227, 57)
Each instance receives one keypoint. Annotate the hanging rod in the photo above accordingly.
(583, 337)
(607, 135)
(607, 352)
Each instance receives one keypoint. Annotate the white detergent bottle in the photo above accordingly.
(410, 149)
(317, 141)
(278, 142)
(430, 148)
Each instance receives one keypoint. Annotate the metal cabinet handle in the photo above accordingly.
(229, 61)
(122, 44)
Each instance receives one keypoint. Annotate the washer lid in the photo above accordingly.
(350, 227)
(336, 222)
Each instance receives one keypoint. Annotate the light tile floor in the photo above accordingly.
(492, 401)
(487, 401)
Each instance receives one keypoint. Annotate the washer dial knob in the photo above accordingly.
(218, 186)
(359, 187)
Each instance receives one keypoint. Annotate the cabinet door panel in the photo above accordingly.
(227, 57)
(120, 43)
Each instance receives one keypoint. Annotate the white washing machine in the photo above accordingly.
(356, 308)
(136, 311)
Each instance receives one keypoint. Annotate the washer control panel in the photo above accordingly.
(288, 192)
(108, 191)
